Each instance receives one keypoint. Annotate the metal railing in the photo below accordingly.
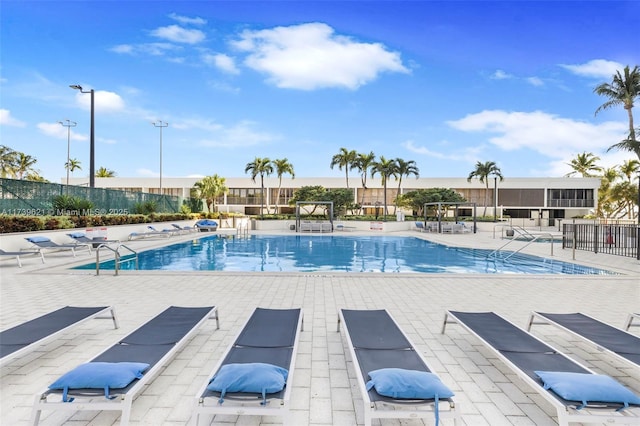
(531, 238)
(616, 239)
(118, 259)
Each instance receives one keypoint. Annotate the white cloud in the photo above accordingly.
(177, 34)
(559, 139)
(535, 81)
(311, 56)
(238, 136)
(58, 131)
(500, 75)
(599, 68)
(153, 49)
(221, 61)
(185, 20)
(105, 102)
(465, 154)
(7, 120)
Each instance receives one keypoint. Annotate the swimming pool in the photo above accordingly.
(330, 253)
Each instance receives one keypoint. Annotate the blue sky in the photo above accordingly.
(445, 84)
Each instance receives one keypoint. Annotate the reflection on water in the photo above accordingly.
(311, 253)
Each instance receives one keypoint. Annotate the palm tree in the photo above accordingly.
(282, 166)
(103, 172)
(482, 172)
(584, 164)
(623, 90)
(386, 168)
(363, 163)
(209, 188)
(606, 200)
(262, 167)
(628, 169)
(8, 158)
(73, 164)
(405, 168)
(23, 164)
(346, 159)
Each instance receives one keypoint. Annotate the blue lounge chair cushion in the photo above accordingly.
(255, 377)
(76, 234)
(399, 383)
(206, 222)
(587, 387)
(38, 239)
(100, 375)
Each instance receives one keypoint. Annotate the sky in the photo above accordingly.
(443, 83)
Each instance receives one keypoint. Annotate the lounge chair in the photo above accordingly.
(44, 243)
(81, 237)
(532, 359)
(25, 337)
(206, 225)
(184, 229)
(17, 255)
(420, 227)
(377, 345)
(629, 322)
(606, 338)
(265, 348)
(150, 233)
(149, 348)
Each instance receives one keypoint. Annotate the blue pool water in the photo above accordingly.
(298, 253)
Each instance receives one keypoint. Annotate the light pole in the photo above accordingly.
(92, 139)
(69, 124)
(495, 198)
(160, 124)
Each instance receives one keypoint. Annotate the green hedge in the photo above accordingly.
(49, 223)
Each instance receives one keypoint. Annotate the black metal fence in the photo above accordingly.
(620, 240)
(27, 198)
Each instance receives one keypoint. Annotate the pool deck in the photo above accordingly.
(324, 389)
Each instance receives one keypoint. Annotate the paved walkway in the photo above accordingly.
(325, 391)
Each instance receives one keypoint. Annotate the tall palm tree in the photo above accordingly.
(260, 167)
(346, 159)
(584, 164)
(8, 159)
(405, 168)
(73, 165)
(483, 171)
(24, 164)
(623, 90)
(363, 163)
(103, 172)
(209, 188)
(282, 166)
(628, 169)
(387, 169)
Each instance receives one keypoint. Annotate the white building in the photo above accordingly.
(545, 198)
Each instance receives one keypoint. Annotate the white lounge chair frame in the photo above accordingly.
(123, 401)
(538, 318)
(17, 255)
(375, 409)
(566, 414)
(106, 313)
(246, 407)
(629, 322)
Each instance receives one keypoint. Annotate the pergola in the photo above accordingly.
(450, 204)
(313, 203)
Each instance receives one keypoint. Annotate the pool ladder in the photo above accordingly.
(533, 239)
(119, 260)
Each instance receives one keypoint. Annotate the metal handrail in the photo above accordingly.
(117, 256)
(533, 240)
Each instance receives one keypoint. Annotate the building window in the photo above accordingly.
(570, 198)
(244, 196)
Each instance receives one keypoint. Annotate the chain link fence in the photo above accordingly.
(28, 198)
